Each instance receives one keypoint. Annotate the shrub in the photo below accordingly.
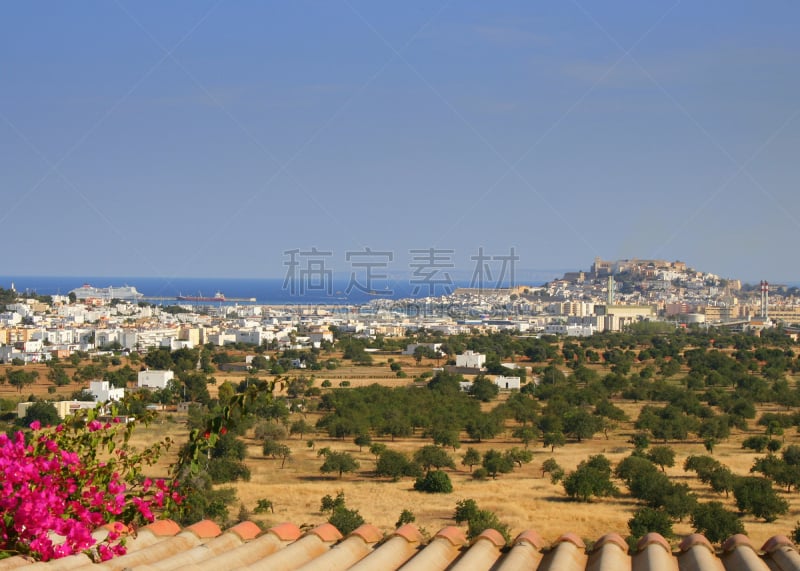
(224, 470)
(477, 519)
(715, 522)
(480, 474)
(263, 506)
(328, 504)
(406, 516)
(647, 520)
(465, 510)
(434, 482)
(795, 535)
(345, 520)
(270, 431)
(44, 412)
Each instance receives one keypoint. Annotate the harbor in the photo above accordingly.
(162, 299)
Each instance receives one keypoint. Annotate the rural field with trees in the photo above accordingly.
(653, 429)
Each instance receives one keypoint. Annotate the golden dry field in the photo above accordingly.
(523, 499)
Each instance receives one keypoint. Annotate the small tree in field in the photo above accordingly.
(376, 449)
(432, 456)
(284, 453)
(662, 456)
(340, 462)
(550, 466)
(756, 496)
(496, 463)
(553, 439)
(592, 478)
(471, 458)
(519, 456)
(396, 465)
(362, 440)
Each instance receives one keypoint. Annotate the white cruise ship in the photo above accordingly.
(125, 293)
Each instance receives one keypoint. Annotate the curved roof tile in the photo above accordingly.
(163, 546)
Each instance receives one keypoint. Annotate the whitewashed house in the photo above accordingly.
(154, 379)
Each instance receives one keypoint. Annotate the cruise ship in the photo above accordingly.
(125, 293)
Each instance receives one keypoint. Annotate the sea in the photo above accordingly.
(266, 291)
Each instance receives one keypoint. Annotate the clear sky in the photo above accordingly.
(208, 138)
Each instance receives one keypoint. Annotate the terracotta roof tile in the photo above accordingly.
(286, 531)
(614, 538)
(310, 546)
(783, 557)
(273, 540)
(653, 539)
(492, 535)
(346, 553)
(439, 552)
(610, 552)
(737, 540)
(162, 527)
(165, 547)
(776, 542)
(571, 538)
(567, 554)
(246, 530)
(454, 535)
(369, 533)
(695, 539)
(739, 553)
(525, 554)
(532, 537)
(482, 554)
(327, 532)
(409, 532)
(205, 529)
(392, 553)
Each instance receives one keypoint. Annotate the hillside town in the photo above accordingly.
(611, 295)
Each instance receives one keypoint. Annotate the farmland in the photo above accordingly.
(722, 372)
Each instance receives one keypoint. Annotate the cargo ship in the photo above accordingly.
(216, 297)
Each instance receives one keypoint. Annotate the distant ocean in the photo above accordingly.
(266, 291)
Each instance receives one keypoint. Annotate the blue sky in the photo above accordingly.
(208, 138)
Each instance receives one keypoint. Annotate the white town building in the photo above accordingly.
(104, 392)
(470, 360)
(155, 379)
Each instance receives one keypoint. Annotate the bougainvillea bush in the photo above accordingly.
(70, 480)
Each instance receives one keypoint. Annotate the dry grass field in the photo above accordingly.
(523, 499)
